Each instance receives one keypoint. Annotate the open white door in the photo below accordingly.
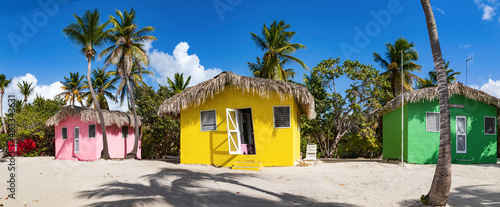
(233, 132)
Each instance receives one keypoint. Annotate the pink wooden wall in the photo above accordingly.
(90, 148)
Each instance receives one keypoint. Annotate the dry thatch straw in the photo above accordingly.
(431, 93)
(197, 95)
(90, 115)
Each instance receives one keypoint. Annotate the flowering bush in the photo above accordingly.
(24, 147)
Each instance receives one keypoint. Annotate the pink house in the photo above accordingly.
(78, 134)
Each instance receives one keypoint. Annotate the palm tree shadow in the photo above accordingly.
(475, 195)
(189, 188)
(472, 195)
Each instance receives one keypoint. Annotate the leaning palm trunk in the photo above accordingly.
(4, 127)
(104, 152)
(441, 184)
(133, 153)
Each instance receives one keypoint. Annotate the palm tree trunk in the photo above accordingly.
(441, 184)
(104, 152)
(1, 114)
(133, 153)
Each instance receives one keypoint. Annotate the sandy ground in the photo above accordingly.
(44, 181)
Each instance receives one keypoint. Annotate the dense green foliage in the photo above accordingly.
(30, 123)
(344, 126)
(161, 135)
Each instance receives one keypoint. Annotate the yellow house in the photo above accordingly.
(236, 121)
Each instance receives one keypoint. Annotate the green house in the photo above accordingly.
(473, 121)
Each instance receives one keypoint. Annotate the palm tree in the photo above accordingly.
(450, 74)
(275, 42)
(135, 77)
(88, 33)
(392, 64)
(256, 68)
(425, 83)
(73, 88)
(128, 47)
(26, 89)
(178, 85)
(4, 83)
(441, 183)
(102, 83)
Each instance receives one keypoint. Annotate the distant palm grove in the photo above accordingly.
(343, 128)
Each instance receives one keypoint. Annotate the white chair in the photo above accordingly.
(311, 153)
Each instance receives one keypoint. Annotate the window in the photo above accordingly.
(282, 117)
(461, 134)
(124, 131)
(432, 122)
(77, 139)
(489, 125)
(208, 121)
(64, 133)
(91, 130)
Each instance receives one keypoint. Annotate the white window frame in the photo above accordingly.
(95, 130)
(456, 135)
(201, 124)
(494, 126)
(62, 134)
(74, 140)
(289, 117)
(439, 125)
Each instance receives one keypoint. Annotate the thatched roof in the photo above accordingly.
(197, 95)
(89, 114)
(431, 93)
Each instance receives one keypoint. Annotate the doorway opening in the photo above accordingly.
(240, 131)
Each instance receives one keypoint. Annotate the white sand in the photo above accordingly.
(44, 181)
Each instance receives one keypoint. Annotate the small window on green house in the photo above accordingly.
(432, 122)
(489, 125)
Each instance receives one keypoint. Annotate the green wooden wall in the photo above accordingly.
(421, 147)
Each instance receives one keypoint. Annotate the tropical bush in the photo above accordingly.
(161, 135)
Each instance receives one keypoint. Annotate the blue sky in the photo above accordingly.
(202, 38)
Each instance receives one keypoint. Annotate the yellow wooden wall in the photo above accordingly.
(274, 147)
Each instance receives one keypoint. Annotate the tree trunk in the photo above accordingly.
(104, 152)
(4, 127)
(441, 184)
(133, 153)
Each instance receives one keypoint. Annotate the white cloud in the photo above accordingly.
(115, 106)
(474, 86)
(465, 46)
(489, 12)
(439, 10)
(165, 65)
(492, 88)
(46, 91)
(488, 8)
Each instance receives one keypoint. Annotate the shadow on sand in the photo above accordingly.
(188, 188)
(472, 195)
